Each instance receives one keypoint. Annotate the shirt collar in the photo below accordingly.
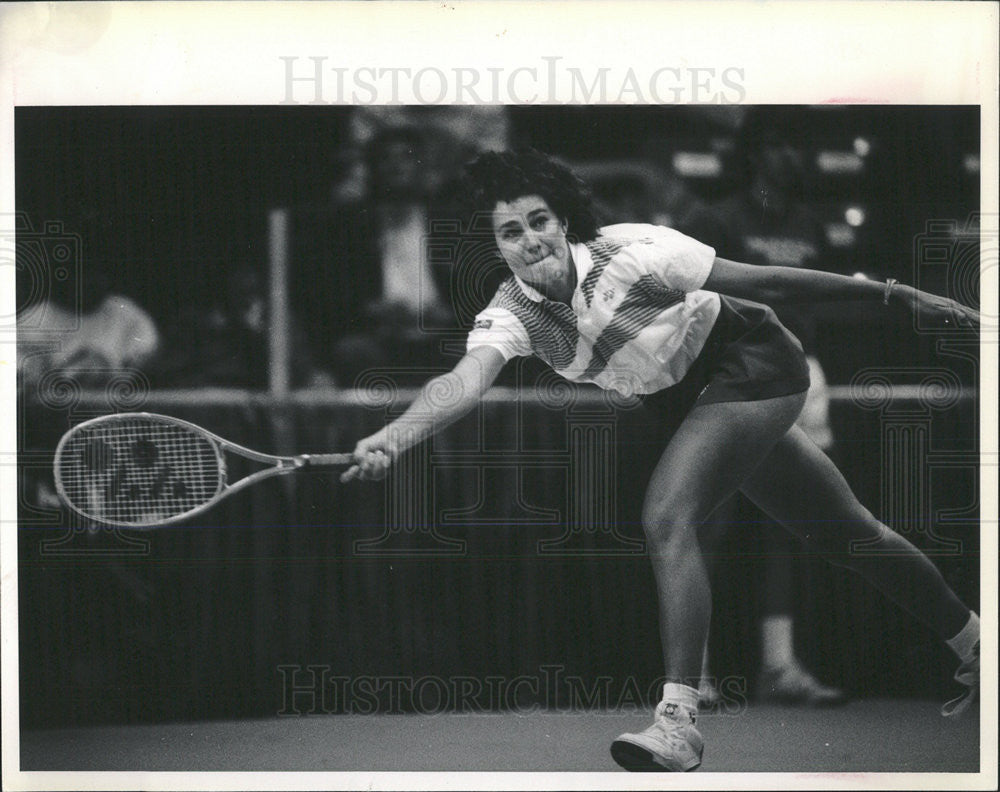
(582, 262)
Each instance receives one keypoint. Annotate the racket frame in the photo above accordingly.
(280, 465)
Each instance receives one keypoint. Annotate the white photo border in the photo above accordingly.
(202, 53)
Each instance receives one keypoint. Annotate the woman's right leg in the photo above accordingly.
(716, 447)
(714, 450)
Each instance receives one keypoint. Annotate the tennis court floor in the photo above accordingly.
(861, 737)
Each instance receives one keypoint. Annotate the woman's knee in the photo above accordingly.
(669, 529)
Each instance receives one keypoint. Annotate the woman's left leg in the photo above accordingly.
(801, 488)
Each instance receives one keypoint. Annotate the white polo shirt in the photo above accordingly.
(637, 319)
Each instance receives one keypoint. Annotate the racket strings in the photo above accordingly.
(138, 471)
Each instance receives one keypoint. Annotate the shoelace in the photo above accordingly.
(669, 727)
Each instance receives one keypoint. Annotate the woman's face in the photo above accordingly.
(532, 240)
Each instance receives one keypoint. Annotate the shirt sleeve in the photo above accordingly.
(499, 328)
(674, 259)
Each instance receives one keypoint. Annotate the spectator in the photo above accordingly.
(395, 290)
(113, 335)
(116, 334)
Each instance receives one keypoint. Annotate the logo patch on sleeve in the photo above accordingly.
(483, 324)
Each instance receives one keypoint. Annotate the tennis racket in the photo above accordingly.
(143, 469)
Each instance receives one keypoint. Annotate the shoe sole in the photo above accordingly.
(636, 759)
(957, 707)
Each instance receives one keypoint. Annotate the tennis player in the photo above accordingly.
(645, 310)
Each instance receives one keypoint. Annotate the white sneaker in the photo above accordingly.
(967, 674)
(671, 743)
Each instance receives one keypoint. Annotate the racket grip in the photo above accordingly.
(325, 460)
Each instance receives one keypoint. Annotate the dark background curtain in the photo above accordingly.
(198, 620)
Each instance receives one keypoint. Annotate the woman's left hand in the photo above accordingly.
(939, 309)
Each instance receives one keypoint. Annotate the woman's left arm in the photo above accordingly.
(775, 285)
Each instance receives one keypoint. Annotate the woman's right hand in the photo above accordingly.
(938, 309)
(373, 456)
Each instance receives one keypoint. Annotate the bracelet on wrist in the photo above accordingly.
(889, 285)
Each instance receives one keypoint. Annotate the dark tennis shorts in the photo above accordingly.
(748, 356)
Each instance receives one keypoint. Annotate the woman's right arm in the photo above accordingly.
(442, 401)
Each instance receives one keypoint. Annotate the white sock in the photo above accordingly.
(963, 643)
(777, 642)
(685, 695)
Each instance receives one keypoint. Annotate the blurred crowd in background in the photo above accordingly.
(169, 208)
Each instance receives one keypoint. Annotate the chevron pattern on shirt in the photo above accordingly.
(601, 252)
(646, 299)
(552, 330)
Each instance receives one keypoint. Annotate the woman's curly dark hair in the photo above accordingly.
(505, 176)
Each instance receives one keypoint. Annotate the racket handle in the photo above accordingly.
(324, 460)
